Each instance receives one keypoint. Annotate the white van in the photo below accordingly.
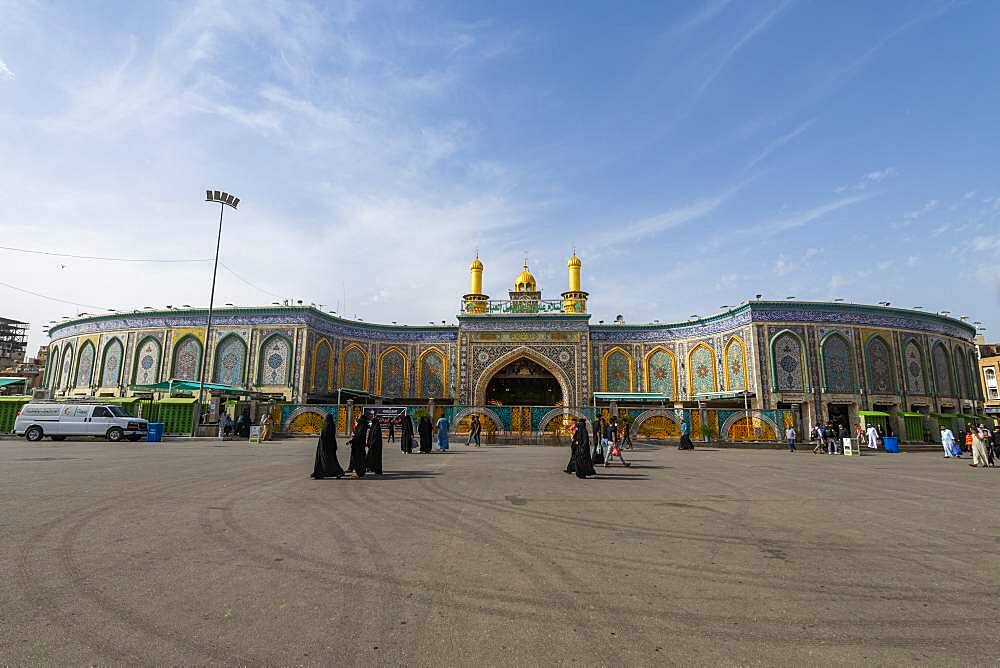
(37, 420)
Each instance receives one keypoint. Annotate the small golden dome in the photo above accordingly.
(574, 261)
(476, 265)
(525, 282)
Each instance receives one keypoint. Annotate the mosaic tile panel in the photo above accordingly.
(838, 365)
(230, 361)
(147, 368)
(942, 370)
(431, 375)
(187, 359)
(54, 368)
(321, 372)
(112, 368)
(353, 363)
(787, 363)
(735, 366)
(275, 356)
(881, 370)
(392, 373)
(961, 374)
(914, 363)
(660, 372)
(618, 369)
(67, 367)
(85, 365)
(702, 364)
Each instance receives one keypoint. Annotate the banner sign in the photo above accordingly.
(526, 306)
(387, 415)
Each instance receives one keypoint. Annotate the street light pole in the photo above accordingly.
(224, 200)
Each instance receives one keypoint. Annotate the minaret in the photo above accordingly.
(475, 301)
(574, 299)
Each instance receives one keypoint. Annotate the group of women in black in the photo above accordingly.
(366, 449)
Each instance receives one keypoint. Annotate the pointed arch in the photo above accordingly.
(702, 375)
(148, 356)
(322, 366)
(837, 364)
(914, 368)
(67, 367)
(961, 375)
(618, 370)
(85, 365)
(879, 365)
(659, 371)
(111, 363)
(522, 352)
(230, 361)
(941, 362)
(432, 376)
(788, 363)
(186, 360)
(393, 375)
(734, 354)
(274, 360)
(52, 367)
(354, 367)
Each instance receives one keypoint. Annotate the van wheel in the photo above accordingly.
(34, 433)
(58, 438)
(115, 434)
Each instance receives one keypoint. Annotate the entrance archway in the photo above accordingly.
(537, 369)
(523, 382)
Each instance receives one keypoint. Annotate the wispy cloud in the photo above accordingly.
(929, 206)
(802, 218)
(5, 72)
(872, 178)
(778, 143)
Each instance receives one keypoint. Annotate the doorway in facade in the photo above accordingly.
(840, 414)
(523, 383)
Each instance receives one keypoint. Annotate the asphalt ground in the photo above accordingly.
(195, 553)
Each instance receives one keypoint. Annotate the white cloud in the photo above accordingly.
(778, 143)
(929, 206)
(780, 267)
(5, 72)
(986, 242)
(800, 219)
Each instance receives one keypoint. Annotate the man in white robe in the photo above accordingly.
(947, 441)
(872, 437)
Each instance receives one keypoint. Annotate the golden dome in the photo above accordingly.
(574, 261)
(476, 265)
(525, 282)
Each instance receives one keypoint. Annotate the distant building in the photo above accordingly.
(989, 371)
(13, 343)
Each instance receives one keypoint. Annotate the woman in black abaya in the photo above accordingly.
(326, 464)
(580, 461)
(374, 461)
(425, 430)
(406, 438)
(358, 441)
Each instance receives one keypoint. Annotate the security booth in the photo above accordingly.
(879, 419)
(175, 403)
(913, 427)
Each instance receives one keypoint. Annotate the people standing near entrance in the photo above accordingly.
(442, 427)
(948, 443)
(265, 426)
(326, 464)
(425, 429)
(872, 437)
(475, 432)
(790, 438)
(627, 434)
(358, 442)
(392, 431)
(615, 432)
(406, 435)
(373, 460)
(830, 434)
(816, 434)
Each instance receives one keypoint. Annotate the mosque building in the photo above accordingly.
(522, 361)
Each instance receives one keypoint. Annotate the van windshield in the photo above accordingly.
(117, 411)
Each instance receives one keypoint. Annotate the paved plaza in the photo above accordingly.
(192, 553)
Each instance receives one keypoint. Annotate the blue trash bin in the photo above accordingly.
(890, 443)
(154, 433)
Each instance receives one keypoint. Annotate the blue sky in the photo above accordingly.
(694, 153)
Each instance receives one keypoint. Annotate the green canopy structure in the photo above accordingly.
(189, 386)
(631, 396)
(4, 382)
(873, 414)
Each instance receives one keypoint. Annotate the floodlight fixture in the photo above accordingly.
(222, 198)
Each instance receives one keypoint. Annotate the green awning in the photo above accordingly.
(4, 382)
(632, 396)
(920, 415)
(873, 414)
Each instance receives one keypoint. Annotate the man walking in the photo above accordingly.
(948, 442)
(790, 437)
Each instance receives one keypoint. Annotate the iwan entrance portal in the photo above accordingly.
(523, 383)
